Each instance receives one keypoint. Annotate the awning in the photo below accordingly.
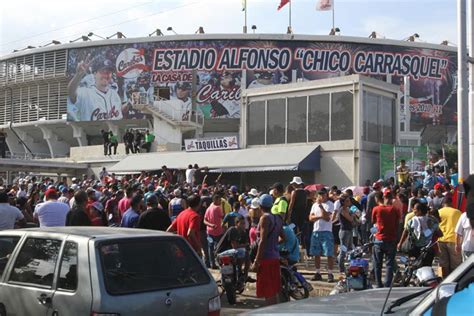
(272, 158)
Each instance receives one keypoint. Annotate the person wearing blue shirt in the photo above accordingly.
(230, 218)
(151, 189)
(291, 244)
(130, 217)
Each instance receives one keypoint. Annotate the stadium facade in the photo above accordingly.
(191, 87)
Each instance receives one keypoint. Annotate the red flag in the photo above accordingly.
(283, 3)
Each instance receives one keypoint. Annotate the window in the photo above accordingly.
(386, 109)
(296, 120)
(36, 262)
(256, 123)
(68, 269)
(378, 112)
(141, 265)
(371, 117)
(276, 121)
(7, 245)
(342, 117)
(318, 120)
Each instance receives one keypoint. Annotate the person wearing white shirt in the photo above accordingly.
(190, 174)
(52, 212)
(9, 215)
(322, 240)
(465, 233)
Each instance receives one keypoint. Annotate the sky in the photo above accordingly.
(37, 23)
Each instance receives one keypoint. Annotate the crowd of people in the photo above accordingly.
(258, 223)
(134, 140)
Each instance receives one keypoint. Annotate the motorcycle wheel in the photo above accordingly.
(406, 278)
(299, 293)
(284, 291)
(230, 293)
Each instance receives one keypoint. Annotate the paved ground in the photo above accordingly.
(248, 300)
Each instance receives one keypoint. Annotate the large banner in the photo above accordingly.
(390, 156)
(103, 78)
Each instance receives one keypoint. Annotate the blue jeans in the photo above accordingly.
(379, 250)
(212, 242)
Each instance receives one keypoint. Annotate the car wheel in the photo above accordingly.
(3, 312)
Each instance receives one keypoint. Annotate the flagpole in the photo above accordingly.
(333, 15)
(290, 30)
(245, 15)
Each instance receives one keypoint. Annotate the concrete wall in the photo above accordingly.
(337, 168)
(369, 166)
(97, 151)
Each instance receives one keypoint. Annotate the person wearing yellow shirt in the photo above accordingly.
(280, 204)
(449, 259)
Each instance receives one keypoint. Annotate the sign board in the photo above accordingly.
(212, 144)
(103, 79)
(390, 156)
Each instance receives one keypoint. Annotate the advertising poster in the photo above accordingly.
(390, 156)
(102, 79)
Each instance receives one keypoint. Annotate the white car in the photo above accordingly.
(102, 271)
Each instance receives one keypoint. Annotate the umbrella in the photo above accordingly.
(357, 190)
(314, 187)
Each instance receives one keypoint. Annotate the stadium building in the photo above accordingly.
(319, 103)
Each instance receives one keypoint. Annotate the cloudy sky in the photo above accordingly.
(33, 22)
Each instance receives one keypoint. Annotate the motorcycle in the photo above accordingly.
(293, 283)
(413, 274)
(356, 275)
(233, 279)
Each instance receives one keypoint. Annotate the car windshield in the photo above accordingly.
(139, 265)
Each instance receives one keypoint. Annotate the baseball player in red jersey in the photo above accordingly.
(99, 101)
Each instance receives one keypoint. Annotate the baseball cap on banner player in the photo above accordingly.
(183, 85)
(102, 63)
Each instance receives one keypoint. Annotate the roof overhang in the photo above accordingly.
(255, 159)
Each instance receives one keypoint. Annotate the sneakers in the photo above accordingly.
(330, 278)
(317, 277)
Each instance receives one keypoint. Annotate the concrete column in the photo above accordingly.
(56, 146)
(38, 148)
(166, 133)
(14, 145)
(79, 134)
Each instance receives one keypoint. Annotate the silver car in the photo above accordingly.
(102, 271)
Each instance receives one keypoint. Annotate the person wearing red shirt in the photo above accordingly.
(124, 203)
(386, 219)
(187, 224)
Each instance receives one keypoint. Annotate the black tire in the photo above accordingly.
(284, 294)
(406, 278)
(230, 293)
(3, 312)
(300, 293)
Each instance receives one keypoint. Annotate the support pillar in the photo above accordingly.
(57, 147)
(79, 134)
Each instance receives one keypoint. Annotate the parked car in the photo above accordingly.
(401, 301)
(102, 271)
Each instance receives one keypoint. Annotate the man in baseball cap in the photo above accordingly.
(97, 101)
(52, 212)
(280, 206)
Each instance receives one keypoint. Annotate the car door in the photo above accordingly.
(73, 294)
(29, 287)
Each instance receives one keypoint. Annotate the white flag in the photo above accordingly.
(244, 5)
(324, 5)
